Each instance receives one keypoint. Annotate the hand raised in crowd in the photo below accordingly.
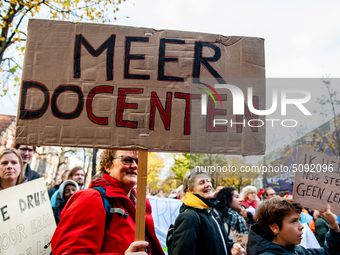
(237, 249)
(243, 212)
(330, 218)
(132, 250)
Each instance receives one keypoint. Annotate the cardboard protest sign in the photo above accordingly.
(241, 239)
(27, 221)
(317, 180)
(106, 86)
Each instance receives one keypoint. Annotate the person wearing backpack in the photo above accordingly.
(199, 228)
(83, 227)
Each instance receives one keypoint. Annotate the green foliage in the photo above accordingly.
(184, 162)
(181, 166)
(13, 69)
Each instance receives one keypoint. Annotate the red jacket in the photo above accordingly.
(82, 226)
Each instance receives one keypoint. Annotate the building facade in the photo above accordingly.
(48, 161)
(7, 131)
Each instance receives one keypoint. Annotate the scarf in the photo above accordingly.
(195, 201)
(251, 203)
(233, 219)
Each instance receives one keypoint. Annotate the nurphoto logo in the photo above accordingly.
(239, 105)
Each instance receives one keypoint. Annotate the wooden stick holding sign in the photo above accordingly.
(141, 195)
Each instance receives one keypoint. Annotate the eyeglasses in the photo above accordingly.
(272, 195)
(127, 160)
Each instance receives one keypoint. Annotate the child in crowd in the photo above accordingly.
(66, 190)
(278, 230)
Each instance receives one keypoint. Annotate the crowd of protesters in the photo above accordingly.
(207, 223)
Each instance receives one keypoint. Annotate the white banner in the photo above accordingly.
(164, 213)
(27, 222)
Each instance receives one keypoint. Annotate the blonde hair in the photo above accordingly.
(246, 190)
(14, 151)
(65, 173)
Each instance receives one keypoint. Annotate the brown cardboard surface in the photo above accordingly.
(314, 188)
(130, 92)
(241, 239)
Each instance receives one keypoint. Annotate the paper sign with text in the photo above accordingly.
(164, 213)
(241, 239)
(107, 86)
(317, 180)
(27, 222)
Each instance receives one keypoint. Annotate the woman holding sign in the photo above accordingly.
(11, 168)
(86, 227)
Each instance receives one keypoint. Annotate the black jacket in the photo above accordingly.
(52, 190)
(205, 238)
(258, 243)
(30, 174)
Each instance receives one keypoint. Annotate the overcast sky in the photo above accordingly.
(302, 38)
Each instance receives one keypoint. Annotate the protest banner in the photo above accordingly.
(27, 221)
(317, 180)
(106, 86)
(164, 213)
